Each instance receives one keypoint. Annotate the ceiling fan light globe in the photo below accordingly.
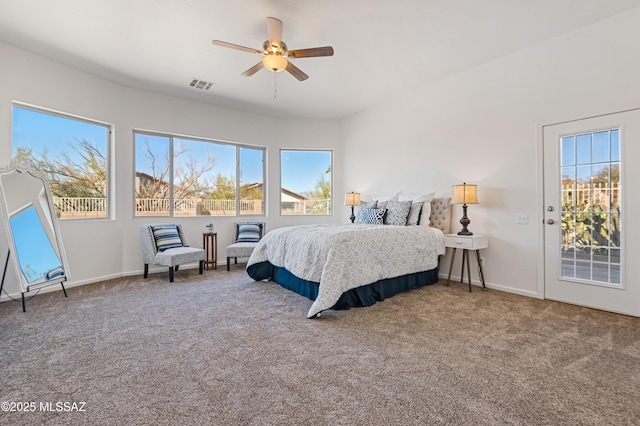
(275, 63)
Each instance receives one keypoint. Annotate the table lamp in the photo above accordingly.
(352, 199)
(464, 194)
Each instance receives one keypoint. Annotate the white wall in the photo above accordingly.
(100, 249)
(482, 126)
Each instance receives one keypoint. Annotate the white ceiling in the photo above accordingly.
(382, 47)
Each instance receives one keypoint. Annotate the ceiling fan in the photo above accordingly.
(275, 53)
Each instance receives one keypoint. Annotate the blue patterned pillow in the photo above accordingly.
(166, 236)
(374, 216)
(55, 273)
(397, 212)
(249, 232)
(361, 208)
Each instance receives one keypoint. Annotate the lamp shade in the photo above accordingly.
(464, 194)
(275, 63)
(352, 199)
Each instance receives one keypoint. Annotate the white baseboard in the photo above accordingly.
(92, 280)
(57, 287)
(498, 287)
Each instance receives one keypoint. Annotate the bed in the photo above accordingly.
(340, 266)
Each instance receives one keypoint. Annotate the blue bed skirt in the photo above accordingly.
(357, 297)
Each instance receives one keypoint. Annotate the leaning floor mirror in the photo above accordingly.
(34, 248)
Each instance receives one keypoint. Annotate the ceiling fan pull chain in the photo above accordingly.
(275, 85)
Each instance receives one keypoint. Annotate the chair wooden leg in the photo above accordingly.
(63, 289)
(235, 260)
(201, 267)
(228, 262)
(177, 267)
(146, 270)
(170, 274)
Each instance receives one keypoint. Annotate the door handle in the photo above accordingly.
(550, 221)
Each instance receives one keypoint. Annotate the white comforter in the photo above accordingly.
(342, 257)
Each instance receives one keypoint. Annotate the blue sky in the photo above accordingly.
(580, 151)
(224, 157)
(37, 130)
(300, 169)
(591, 147)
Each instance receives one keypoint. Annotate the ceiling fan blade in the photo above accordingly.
(237, 47)
(296, 72)
(311, 52)
(274, 31)
(254, 69)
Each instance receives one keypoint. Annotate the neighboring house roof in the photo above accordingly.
(147, 177)
(293, 194)
(284, 191)
(142, 178)
(252, 185)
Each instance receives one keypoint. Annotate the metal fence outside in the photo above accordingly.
(77, 207)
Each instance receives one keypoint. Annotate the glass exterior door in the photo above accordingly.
(590, 239)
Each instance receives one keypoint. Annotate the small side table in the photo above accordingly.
(210, 246)
(466, 243)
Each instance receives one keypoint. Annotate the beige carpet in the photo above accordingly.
(221, 349)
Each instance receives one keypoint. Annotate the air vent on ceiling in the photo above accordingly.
(200, 84)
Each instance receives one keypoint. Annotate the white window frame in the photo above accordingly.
(109, 184)
(171, 137)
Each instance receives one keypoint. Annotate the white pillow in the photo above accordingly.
(417, 198)
(393, 197)
(414, 214)
(425, 214)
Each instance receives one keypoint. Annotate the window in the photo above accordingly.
(71, 152)
(251, 166)
(177, 176)
(591, 206)
(305, 182)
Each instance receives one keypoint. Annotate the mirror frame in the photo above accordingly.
(43, 197)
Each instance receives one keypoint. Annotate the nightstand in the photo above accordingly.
(466, 243)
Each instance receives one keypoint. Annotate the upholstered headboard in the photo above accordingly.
(441, 214)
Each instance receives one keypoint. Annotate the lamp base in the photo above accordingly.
(353, 216)
(465, 222)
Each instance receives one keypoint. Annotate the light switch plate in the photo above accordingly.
(522, 219)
